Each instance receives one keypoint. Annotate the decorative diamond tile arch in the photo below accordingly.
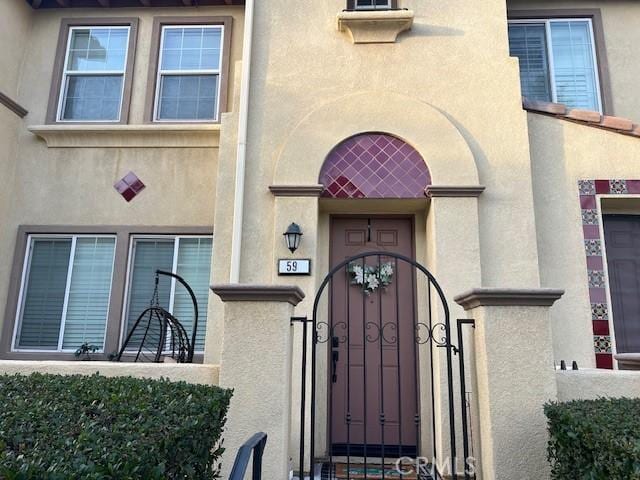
(594, 245)
(374, 165)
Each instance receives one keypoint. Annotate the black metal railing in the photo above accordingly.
(358, 324)
(255, 445)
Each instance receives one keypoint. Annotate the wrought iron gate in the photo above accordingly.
(378, 318)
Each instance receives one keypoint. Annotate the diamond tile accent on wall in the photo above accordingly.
(129, 186)
(374, 165)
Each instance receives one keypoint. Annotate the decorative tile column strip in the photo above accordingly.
(515, 377)
(594, 248)
(256, 364)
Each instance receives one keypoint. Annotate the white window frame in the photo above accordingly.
(66, 73)
(124, 331)
(387, 5)
(218, 72)
(26, 270)
(549, 51)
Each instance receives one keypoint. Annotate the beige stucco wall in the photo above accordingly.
(563, 153)
(74, 186)
(450, 77)
(591, 384)
(448, 87)
(203, 374)
(620, 25)
(16, 26)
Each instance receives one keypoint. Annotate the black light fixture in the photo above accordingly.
(292, 236)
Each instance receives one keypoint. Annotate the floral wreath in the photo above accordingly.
(371, 277)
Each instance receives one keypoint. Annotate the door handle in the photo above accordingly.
(335, 355)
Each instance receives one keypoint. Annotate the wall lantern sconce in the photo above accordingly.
(292, 236)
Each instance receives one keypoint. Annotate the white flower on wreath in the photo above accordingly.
(370, 277)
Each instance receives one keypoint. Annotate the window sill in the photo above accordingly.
(375, 26)
(628, 361)
(173, 135)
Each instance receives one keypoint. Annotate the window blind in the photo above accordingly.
(149, 255)
(574, 65)
(194, 265)
(89, 292)
(45, 292)
(528, 43)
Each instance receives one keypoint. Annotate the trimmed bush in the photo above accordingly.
(55, 427)
(594, 439)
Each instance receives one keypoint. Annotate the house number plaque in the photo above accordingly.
(290, 266)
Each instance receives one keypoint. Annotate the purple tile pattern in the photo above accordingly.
(129, 186)
(374, 165)
(593, 245)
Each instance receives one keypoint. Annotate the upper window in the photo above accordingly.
(557, 61)
(372, 4)
(66, 288)
(189, 68)
(93, 77)
(94, 67)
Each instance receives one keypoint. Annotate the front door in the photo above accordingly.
(373, 352)
(622, 243)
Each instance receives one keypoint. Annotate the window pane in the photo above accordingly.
(89, 293)
(191, 48)
(98, 49)
(92, 97)
(187, 97)
(574, 65)
(372, 3)
(149, 255)
(194, 265)
(528, 43)
(44, 296)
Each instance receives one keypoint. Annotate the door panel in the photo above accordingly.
(374, 397)
(622, 243)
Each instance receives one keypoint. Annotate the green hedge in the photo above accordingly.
(56, 427)
(594, 439)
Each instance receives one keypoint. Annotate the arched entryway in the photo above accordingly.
(343, 152)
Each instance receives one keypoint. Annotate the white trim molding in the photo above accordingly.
(502, 297)
(123, 136)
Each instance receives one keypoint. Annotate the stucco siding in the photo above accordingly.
(592, 384)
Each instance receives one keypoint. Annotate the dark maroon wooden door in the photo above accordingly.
(622, 243)
(374, 402)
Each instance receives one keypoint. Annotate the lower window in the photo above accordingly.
(65, 292)
(187, 256)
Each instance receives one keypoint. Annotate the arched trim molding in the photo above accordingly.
(427, 130)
